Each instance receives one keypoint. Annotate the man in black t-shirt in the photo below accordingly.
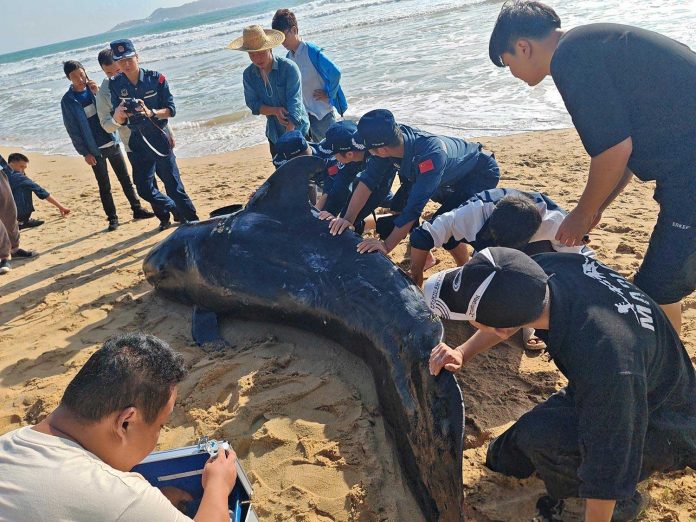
(630, 405)
(630, 93)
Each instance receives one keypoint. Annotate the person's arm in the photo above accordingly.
(165, 101)
(219, 477)
(357, 201)
(321, 202)
(452, 359)
(104, 109)
(418, 259)
(64, 211)
(607, 173)
(293, 95)
(72, 126)
(597, 510)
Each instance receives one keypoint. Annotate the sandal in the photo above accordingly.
(531, 341)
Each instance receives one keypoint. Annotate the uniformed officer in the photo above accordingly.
(447, 170)
(150, 141)
(334, 181)
(361, 174)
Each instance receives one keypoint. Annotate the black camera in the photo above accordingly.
(131, 105)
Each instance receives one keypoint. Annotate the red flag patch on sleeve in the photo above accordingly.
(333, 170)
(426, 166)
(162, 79)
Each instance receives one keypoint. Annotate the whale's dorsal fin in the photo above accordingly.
(288, 187)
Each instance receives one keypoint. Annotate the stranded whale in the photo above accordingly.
(275, 261)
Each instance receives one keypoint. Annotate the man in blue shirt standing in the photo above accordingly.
(141, 99)
(95, 144)
(447, 170)
(272, 84)
(321, 89)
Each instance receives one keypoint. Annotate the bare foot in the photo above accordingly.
(531, 341)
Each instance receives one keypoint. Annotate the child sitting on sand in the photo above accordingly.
(22, 189)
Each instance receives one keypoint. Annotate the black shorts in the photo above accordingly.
(668, 272)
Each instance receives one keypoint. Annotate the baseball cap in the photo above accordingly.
(341, 136)
(288, 146)
(122, 49)
(499, 287)
(377, 128)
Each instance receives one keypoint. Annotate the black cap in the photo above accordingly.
(341, 136)
(499, 287)
(122, 49)
(288, 146)
(378, 128)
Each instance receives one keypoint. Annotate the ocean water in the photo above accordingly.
(427, 61)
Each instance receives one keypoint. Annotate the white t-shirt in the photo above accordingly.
(311, 81)
(43, 477)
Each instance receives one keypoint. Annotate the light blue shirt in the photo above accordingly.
(284, 89)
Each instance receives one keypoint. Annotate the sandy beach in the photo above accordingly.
(301, 412)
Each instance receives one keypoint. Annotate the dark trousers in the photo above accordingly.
(115, 157)
(145, 163)
(545, 440)
(25, 205)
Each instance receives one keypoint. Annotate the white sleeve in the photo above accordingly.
(550, 222)
(150, 504)
(463, 222)
(104, 108)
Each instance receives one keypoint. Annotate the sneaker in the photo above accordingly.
(141, 213)
(30, 223)
(549, 509)
(4, 266)
(113, 224)
(164, 224)
(20, 252)
(630, 508)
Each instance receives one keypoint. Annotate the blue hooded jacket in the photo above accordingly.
(331, 75)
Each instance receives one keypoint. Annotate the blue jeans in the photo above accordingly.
(318, 128)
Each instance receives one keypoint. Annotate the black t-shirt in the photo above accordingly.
(619, 81)
(629, 375)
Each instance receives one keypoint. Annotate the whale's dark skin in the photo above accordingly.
(276, 261)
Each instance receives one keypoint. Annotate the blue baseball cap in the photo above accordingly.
(341, 136)
(289, 145)
(377, 128)
(122, 49)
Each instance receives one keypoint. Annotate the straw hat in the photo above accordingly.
(256, 38)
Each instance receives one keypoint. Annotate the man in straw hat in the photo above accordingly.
(630, 405)
(272, 85)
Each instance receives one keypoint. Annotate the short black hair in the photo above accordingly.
(17, 156)
(283, 19)
(520, 19)
(105, 57)
(132, 369)
(70, 66)
(514, 220)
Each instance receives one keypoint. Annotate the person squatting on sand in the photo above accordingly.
(93, 143)
(9, 228)
(374, 175)
(23, 187)
(108, 420)
(446, 170)
(150, 144)
(629, 408)
(335, 179)
(630, 93)
(272, 85)
(526, 221)
(321, 87)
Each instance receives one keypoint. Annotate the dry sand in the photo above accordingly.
(301, 412)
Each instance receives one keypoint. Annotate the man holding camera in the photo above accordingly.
(141, 99)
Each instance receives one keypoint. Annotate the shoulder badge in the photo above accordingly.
(426, 166)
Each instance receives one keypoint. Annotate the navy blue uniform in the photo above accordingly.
(149, 134)
(377, 175)
(22, 189)
(337, 180)
(446, 170)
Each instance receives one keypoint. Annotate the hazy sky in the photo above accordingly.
(31, 23)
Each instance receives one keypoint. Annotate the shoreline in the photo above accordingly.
(297, 409)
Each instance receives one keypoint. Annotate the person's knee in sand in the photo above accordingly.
(629, 92)
(108, 420)
(629, 409)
